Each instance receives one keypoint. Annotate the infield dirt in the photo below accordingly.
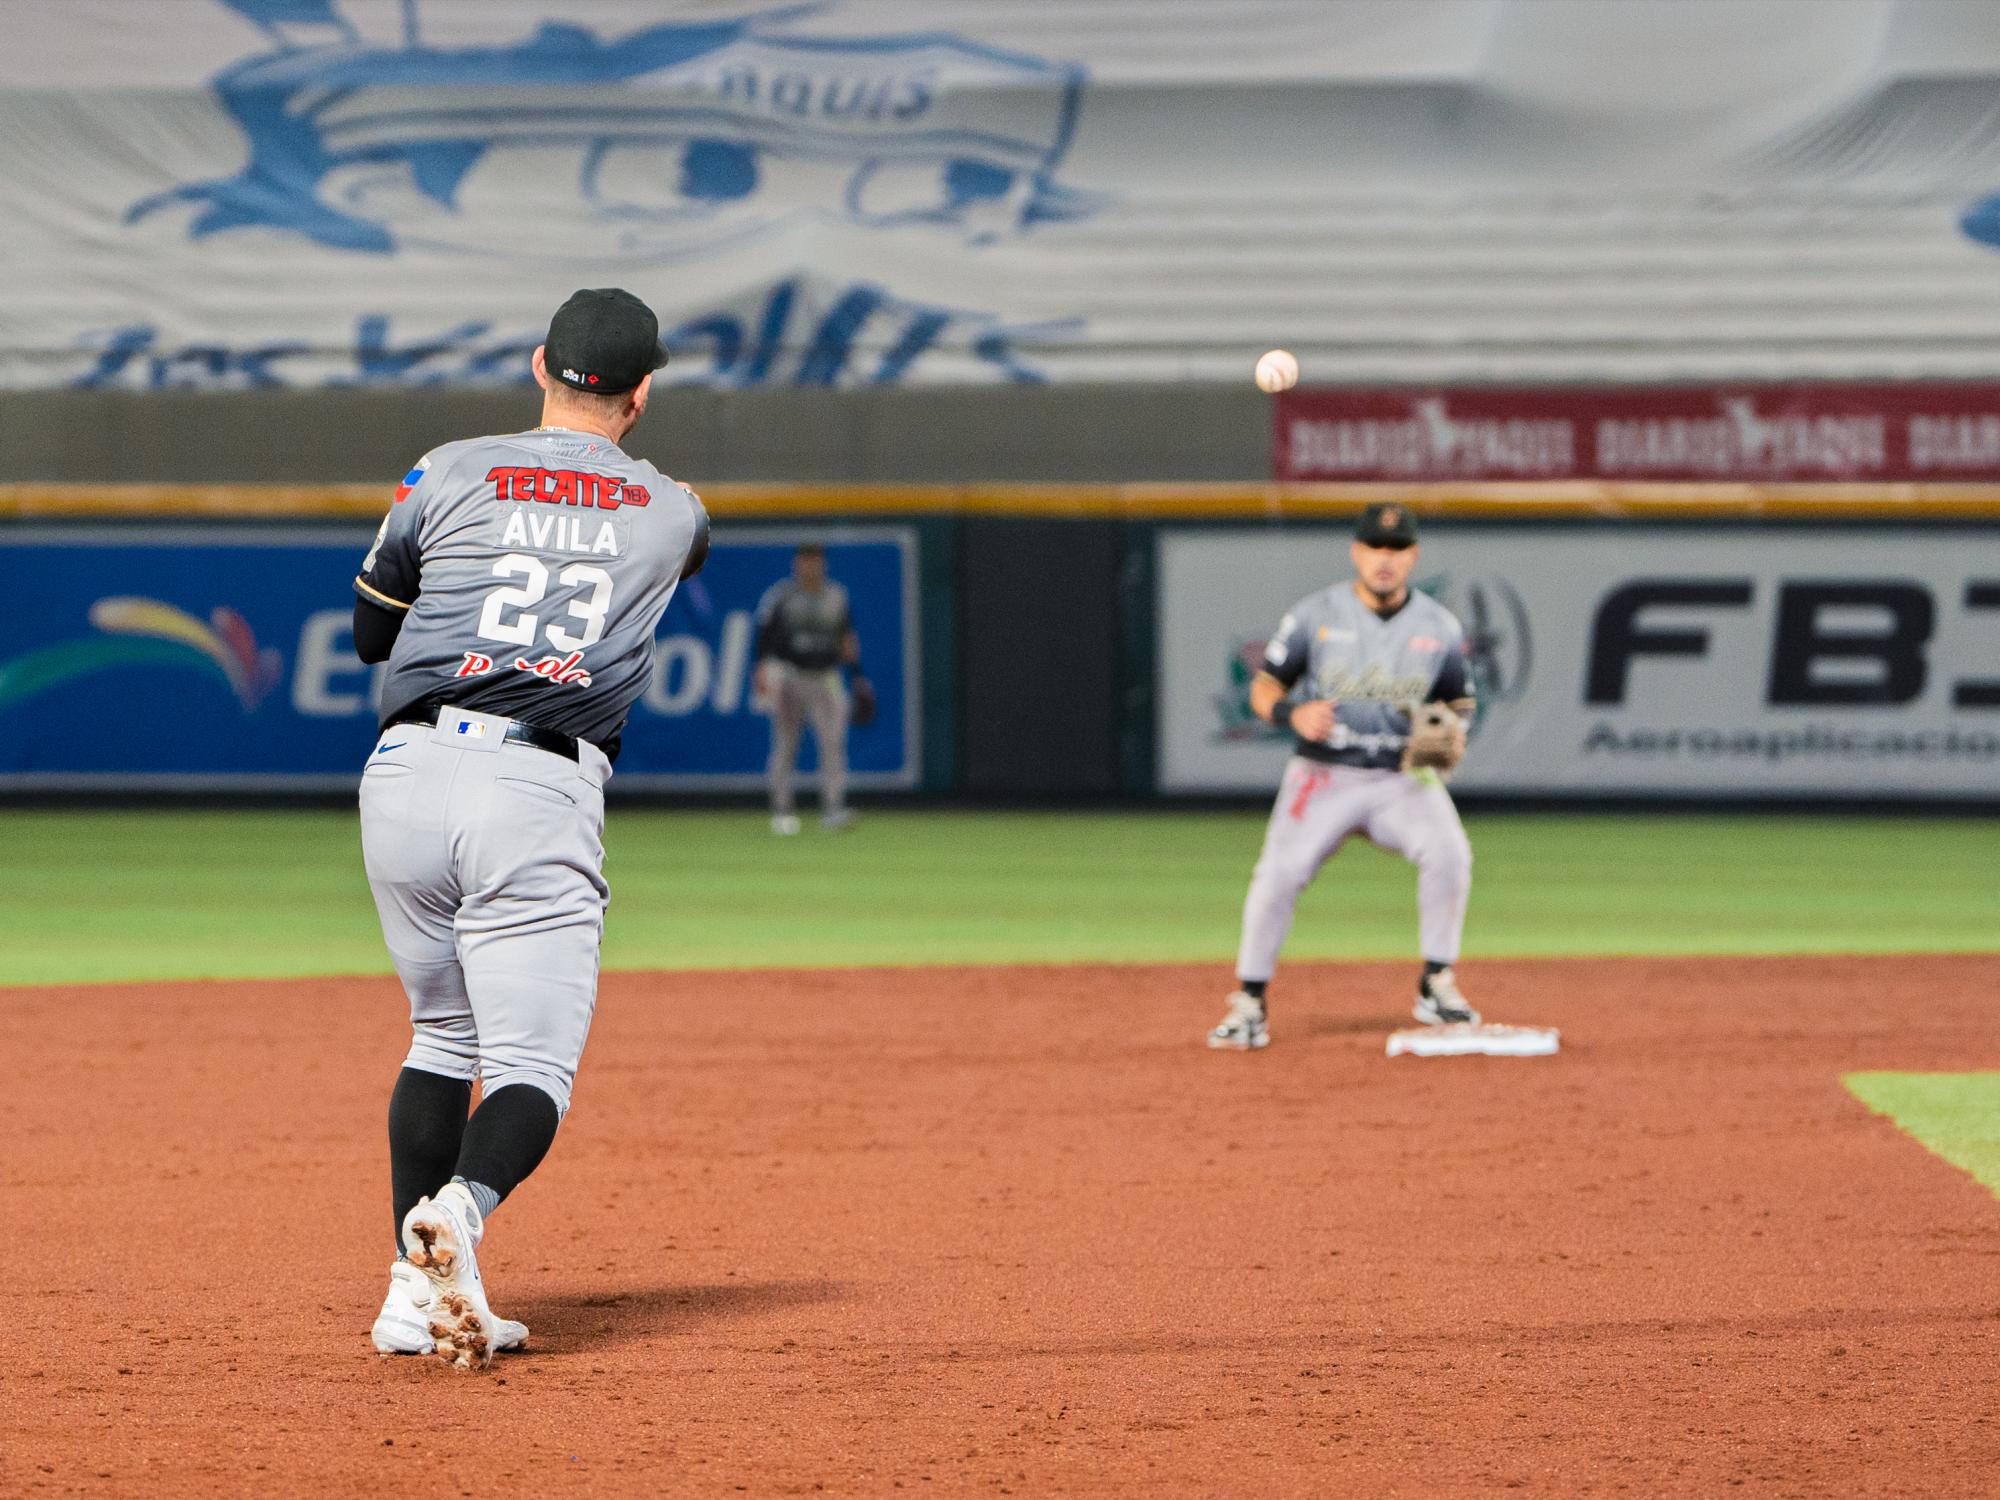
(1016, 1231)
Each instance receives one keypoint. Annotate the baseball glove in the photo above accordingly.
(1437, 739)
(862, 692)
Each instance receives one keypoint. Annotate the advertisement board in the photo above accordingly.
(1825, 433)
(1615, 661)
(204, 658)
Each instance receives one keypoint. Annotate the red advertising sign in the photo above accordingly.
(1798, 433)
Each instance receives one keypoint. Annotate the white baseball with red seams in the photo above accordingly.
(1277, 370)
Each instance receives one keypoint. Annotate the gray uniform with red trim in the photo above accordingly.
(1331, 645)
(535, 569)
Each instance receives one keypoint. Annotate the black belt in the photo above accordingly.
(426, 715)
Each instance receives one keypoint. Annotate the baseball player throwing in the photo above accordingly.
(1384, 678)
(514, 589)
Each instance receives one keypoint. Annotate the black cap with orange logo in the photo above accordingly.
(1386, 525)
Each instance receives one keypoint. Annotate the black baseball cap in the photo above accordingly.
(603, 340)
(1386, 525)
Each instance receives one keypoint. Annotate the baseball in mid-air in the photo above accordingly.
(1277, 370)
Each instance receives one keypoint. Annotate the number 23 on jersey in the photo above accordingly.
(519, 630)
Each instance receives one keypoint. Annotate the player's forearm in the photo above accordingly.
(1266, 693)
(375, 631)
(698, 550)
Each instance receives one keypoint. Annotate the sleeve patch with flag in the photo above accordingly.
(409, 483)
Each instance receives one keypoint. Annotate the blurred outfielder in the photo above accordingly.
(805, 640)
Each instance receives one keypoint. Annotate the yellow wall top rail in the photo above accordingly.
(1574, 498)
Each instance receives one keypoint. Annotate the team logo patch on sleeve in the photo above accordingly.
(409, 483)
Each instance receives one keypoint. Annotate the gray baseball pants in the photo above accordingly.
(487, 863)
(799, 696)
(1318, 807)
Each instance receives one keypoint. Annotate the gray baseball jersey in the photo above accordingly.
(805, 628)
(535, 568)
(1372, 667)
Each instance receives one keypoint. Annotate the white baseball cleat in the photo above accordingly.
(1244, 1028)
(1440, 1004)
(403, 1326)
(833, 822)
(784, 825)
(440, 1237)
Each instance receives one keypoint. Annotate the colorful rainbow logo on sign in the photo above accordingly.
(139, 632)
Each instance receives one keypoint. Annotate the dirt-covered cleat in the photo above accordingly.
(1244, 1028)
(1440, 1004)
(440, 1238)
(403, 1325)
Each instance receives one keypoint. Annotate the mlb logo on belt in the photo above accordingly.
(474, 730)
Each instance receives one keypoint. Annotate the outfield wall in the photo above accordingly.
(1078, 642)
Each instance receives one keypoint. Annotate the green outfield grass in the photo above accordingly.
(102, 895)
(1957, 1115)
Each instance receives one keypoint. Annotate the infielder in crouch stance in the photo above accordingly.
(514, 590)
(1369, 654)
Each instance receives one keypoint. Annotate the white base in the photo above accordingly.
(1475, 1039)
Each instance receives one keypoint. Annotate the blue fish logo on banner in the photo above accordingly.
(673, 139)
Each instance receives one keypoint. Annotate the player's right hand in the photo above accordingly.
(1313, 720)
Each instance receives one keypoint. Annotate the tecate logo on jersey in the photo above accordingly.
(565, 487)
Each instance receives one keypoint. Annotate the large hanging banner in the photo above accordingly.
(228, 194)
(1611, 661)
(222, 659)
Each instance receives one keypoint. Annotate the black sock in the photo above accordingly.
(426, 1127)
(1254, 988)
(510, 1133)
(1432, 966)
